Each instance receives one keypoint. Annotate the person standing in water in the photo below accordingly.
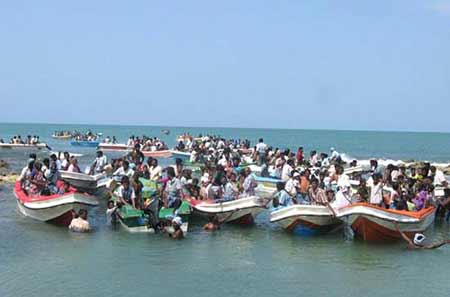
(79, 222)
(418, 242)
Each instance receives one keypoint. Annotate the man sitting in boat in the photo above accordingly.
(249, 184)
(79, 222)
(317, 196)
(154, 168)
(73, 167)
(231, 190)
(125, 192)
(124, 170)
(282, 198)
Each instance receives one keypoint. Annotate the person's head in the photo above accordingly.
(66, 155)
(170, 172)
(248, 171)
(339, 169)
(233, 176)
(330, 195)
(53, 157)
(376, 178)
(261, 140)
(125, 164)
(46, 162)
(99, 154)
(73, 161)
(38, 165)
(110, 204)
(178, 162)
(280, 186)
(83, 213)
(419, 238)
(314, 183)
(125, 181)
(433, 169)
(66, 186)
(374, 163)
(395, 186)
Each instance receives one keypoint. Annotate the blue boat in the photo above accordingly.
(84, 143)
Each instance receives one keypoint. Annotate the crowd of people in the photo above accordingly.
(17, 139)
(219, 169)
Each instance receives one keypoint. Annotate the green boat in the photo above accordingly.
(136, 220)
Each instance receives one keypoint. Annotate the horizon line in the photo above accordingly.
(226, 127)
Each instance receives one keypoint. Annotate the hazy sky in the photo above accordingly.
(283, 64)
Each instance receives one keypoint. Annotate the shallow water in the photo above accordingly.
(39, 259)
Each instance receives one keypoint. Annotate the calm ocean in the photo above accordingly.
(39, 259)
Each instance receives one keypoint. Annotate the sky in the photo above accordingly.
(354, 65)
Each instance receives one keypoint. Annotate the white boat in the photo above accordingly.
(114, 147)
(373, 223)
(55, 209)
(181, 155)
(242, 211)
(305, 219)
(37, 146)
(93, 184)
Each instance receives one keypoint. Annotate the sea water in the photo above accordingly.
(38, 259)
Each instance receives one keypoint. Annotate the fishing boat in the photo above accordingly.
(241, 211)
(85, 143)
(373, 223)
(62, 137)
(180, 155)
(56, 209)
(268, 182)
(93, 184)
(305, 219)
(138, 221)
(114, 147)
(158, 154)
(38, 146)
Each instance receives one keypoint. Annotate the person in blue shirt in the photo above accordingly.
(282, 197)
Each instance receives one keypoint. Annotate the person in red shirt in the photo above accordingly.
(300, 156)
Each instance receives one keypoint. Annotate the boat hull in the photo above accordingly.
(85, 143)
(54, 209)
(241, 211)
(305, 220)
(93, 184)
(375, 224)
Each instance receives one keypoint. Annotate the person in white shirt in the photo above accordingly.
(376, 191)
(439, 177)
(155, 170)
(80, 223)
(261, 150)
(335, 156)
(125, 192)
(66, 161)
(99, 163)
(292, 184)
(55, 159)
(287, 170)
(124, 170)
(130, 141)
(342, 199)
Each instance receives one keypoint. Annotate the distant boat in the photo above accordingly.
(37, 146)
(165, 131)
(84, 143)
